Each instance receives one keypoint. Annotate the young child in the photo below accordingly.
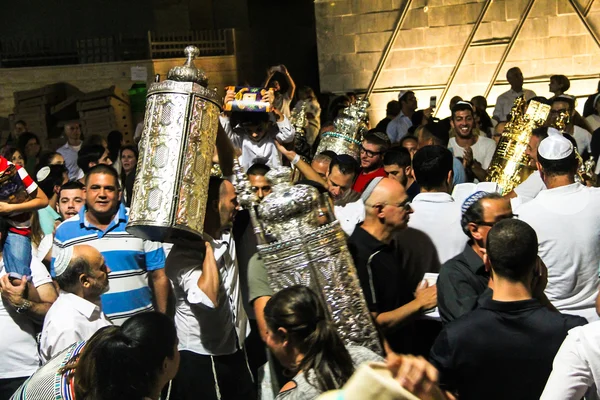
(19, 197)
(254, 133)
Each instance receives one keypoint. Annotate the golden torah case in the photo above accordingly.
(176, 149)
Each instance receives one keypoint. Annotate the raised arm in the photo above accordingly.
(291, 85)
(303, 166)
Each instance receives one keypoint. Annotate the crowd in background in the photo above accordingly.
(508, 309)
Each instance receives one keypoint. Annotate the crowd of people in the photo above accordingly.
(474, 296)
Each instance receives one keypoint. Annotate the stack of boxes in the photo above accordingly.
(107, 110)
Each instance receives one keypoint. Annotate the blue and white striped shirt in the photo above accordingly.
(129, 258)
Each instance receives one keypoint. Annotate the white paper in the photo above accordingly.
(139, 74)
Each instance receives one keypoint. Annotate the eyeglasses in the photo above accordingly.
(500, 218)
(405, 205)
(369, 153)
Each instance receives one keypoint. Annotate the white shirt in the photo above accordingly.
(567, 222)
(576, 366)
(506, 100)
(530, 188)
(263, 151)
(70, 154)
(438, 215)
(583, 139)
(398, 127)
(483, 150)
(202, 326)
(70, 319)
(350, 215)
(593, 121)
(18, 347)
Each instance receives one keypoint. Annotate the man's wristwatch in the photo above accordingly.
(23, 307)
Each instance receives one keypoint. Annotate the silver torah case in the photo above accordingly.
(176, 148)
(350, 126)
(301, 251)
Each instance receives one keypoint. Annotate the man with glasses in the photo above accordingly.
(390, 299)
(373, 146)
(435, 211)
(464, 278)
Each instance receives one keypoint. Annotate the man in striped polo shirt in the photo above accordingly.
(133, 261)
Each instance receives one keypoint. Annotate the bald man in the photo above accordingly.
(76, 315)
(388, 296)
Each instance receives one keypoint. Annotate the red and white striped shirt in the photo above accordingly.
(19, 222)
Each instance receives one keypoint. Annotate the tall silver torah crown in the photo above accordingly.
(298, 249)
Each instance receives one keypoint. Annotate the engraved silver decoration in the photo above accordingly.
(350, 126)
(298, 250)
(176, 149)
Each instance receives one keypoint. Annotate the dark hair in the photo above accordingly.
(298, 310)
(407, 138)
(462, 106)
(251, 118)
(393, 108)
(436, 132)
(21, 122)
(541, 132)
(113, 141)
(123, 363)
(417, 118)
(71, 185)
(22, 142)
(133, 149)
(346, 164)
(454, 100)
(512, 247)
(474, 214)
(46, 157)
(54, 178)
(379, 139)
(9, 152)
(89, 153)
(564, 99)
(258, 169)
(478, 99)
(214, 191)
(431, 165)
(397, 156)
(96, 139)
(102, 169)
(68, 279)
(562, 81)
(565, 166)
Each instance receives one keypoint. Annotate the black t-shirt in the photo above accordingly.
(501, 350)
(462, 280)
(383, 282)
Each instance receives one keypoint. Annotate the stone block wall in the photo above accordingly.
(221, 72)
(352, 34)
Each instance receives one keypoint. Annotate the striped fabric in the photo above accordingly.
(47, 383)
(129, 258)
(20, 223)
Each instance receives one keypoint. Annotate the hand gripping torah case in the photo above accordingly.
(180, 128)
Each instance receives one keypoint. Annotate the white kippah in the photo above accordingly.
(402, 93)
(43, 173)
(370, 187)
(62, 259)
(555, 146)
